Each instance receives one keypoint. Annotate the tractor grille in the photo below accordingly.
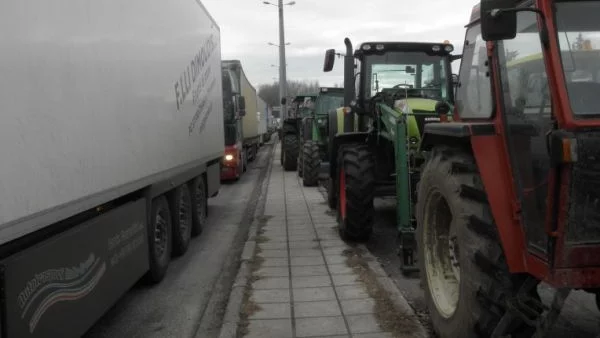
(584, 209)
(423, 117)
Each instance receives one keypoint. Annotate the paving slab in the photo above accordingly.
(317, 309)
(310, 327)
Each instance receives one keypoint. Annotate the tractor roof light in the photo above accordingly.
(366, 47)
(449, 48)
(324, 90)
(379, 47)
(436, 48)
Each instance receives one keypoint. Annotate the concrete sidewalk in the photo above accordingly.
(304, 281)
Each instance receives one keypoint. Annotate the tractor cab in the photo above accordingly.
(547, 63)
(303, 105)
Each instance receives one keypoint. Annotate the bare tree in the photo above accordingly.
(270, 92)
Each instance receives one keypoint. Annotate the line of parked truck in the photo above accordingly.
(115, 132)
(247, 119)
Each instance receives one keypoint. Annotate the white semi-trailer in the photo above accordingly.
(111, 129)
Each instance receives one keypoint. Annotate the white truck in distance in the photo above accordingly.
(111, 141)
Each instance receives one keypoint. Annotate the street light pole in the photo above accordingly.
(282, 65)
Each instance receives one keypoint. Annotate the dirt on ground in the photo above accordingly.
(389, 317)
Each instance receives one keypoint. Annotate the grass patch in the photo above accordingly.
(387, 315)
(261, 239)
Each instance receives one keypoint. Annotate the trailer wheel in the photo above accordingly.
(181, 207)
(199, 205)
(463, 269)
(159, 239)
(356, 183)
(311, 163)
(290, 152)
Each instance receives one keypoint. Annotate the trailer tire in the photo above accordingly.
(311, 163)
(356, 185)
(159, 240)
(199, 205)
(181, 212)
(470, 262)
(290, 152)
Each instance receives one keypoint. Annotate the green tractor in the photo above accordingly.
(391, 90)
(301, 107)
(314, 159)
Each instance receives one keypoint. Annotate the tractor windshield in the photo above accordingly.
(426, 75)
(579, 40)
(327, 102)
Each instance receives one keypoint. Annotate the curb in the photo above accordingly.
(387, 284)
(232, 318)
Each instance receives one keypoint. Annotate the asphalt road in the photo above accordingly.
(580, 318)
(191, 300)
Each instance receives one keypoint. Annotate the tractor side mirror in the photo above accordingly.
(410, 70)
(329, 60)
(442, 108)
(241, 105)
(498, 20)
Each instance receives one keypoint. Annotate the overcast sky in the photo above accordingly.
(312, 26)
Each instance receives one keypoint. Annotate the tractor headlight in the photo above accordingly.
(228, 157)
(413, 140)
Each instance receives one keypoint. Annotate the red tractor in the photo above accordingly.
(509, 195)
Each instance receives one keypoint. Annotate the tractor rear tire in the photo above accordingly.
(290, 152)
(356, 186)
(311, 163)
(459, 250)
(331, 193)
(299, 165)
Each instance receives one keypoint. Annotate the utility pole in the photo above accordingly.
(282, 65)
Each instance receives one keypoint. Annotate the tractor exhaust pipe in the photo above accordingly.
(349, 94)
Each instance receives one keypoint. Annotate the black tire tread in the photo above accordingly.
(158, 270)
(311, 163)
(198, 221)
(181, 241)
(359, 166)
(483, 264)
(290, 145)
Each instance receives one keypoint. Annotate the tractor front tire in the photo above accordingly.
(356, 186)
(300, 166)
(290, 152)
(311, 163)
(462, 265)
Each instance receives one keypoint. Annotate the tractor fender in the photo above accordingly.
(340, 140)
(453, 133)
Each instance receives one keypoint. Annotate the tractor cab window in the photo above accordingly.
(328, 102)
(423, 75)
(579, 40)
(527, 95)
(474, 97)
